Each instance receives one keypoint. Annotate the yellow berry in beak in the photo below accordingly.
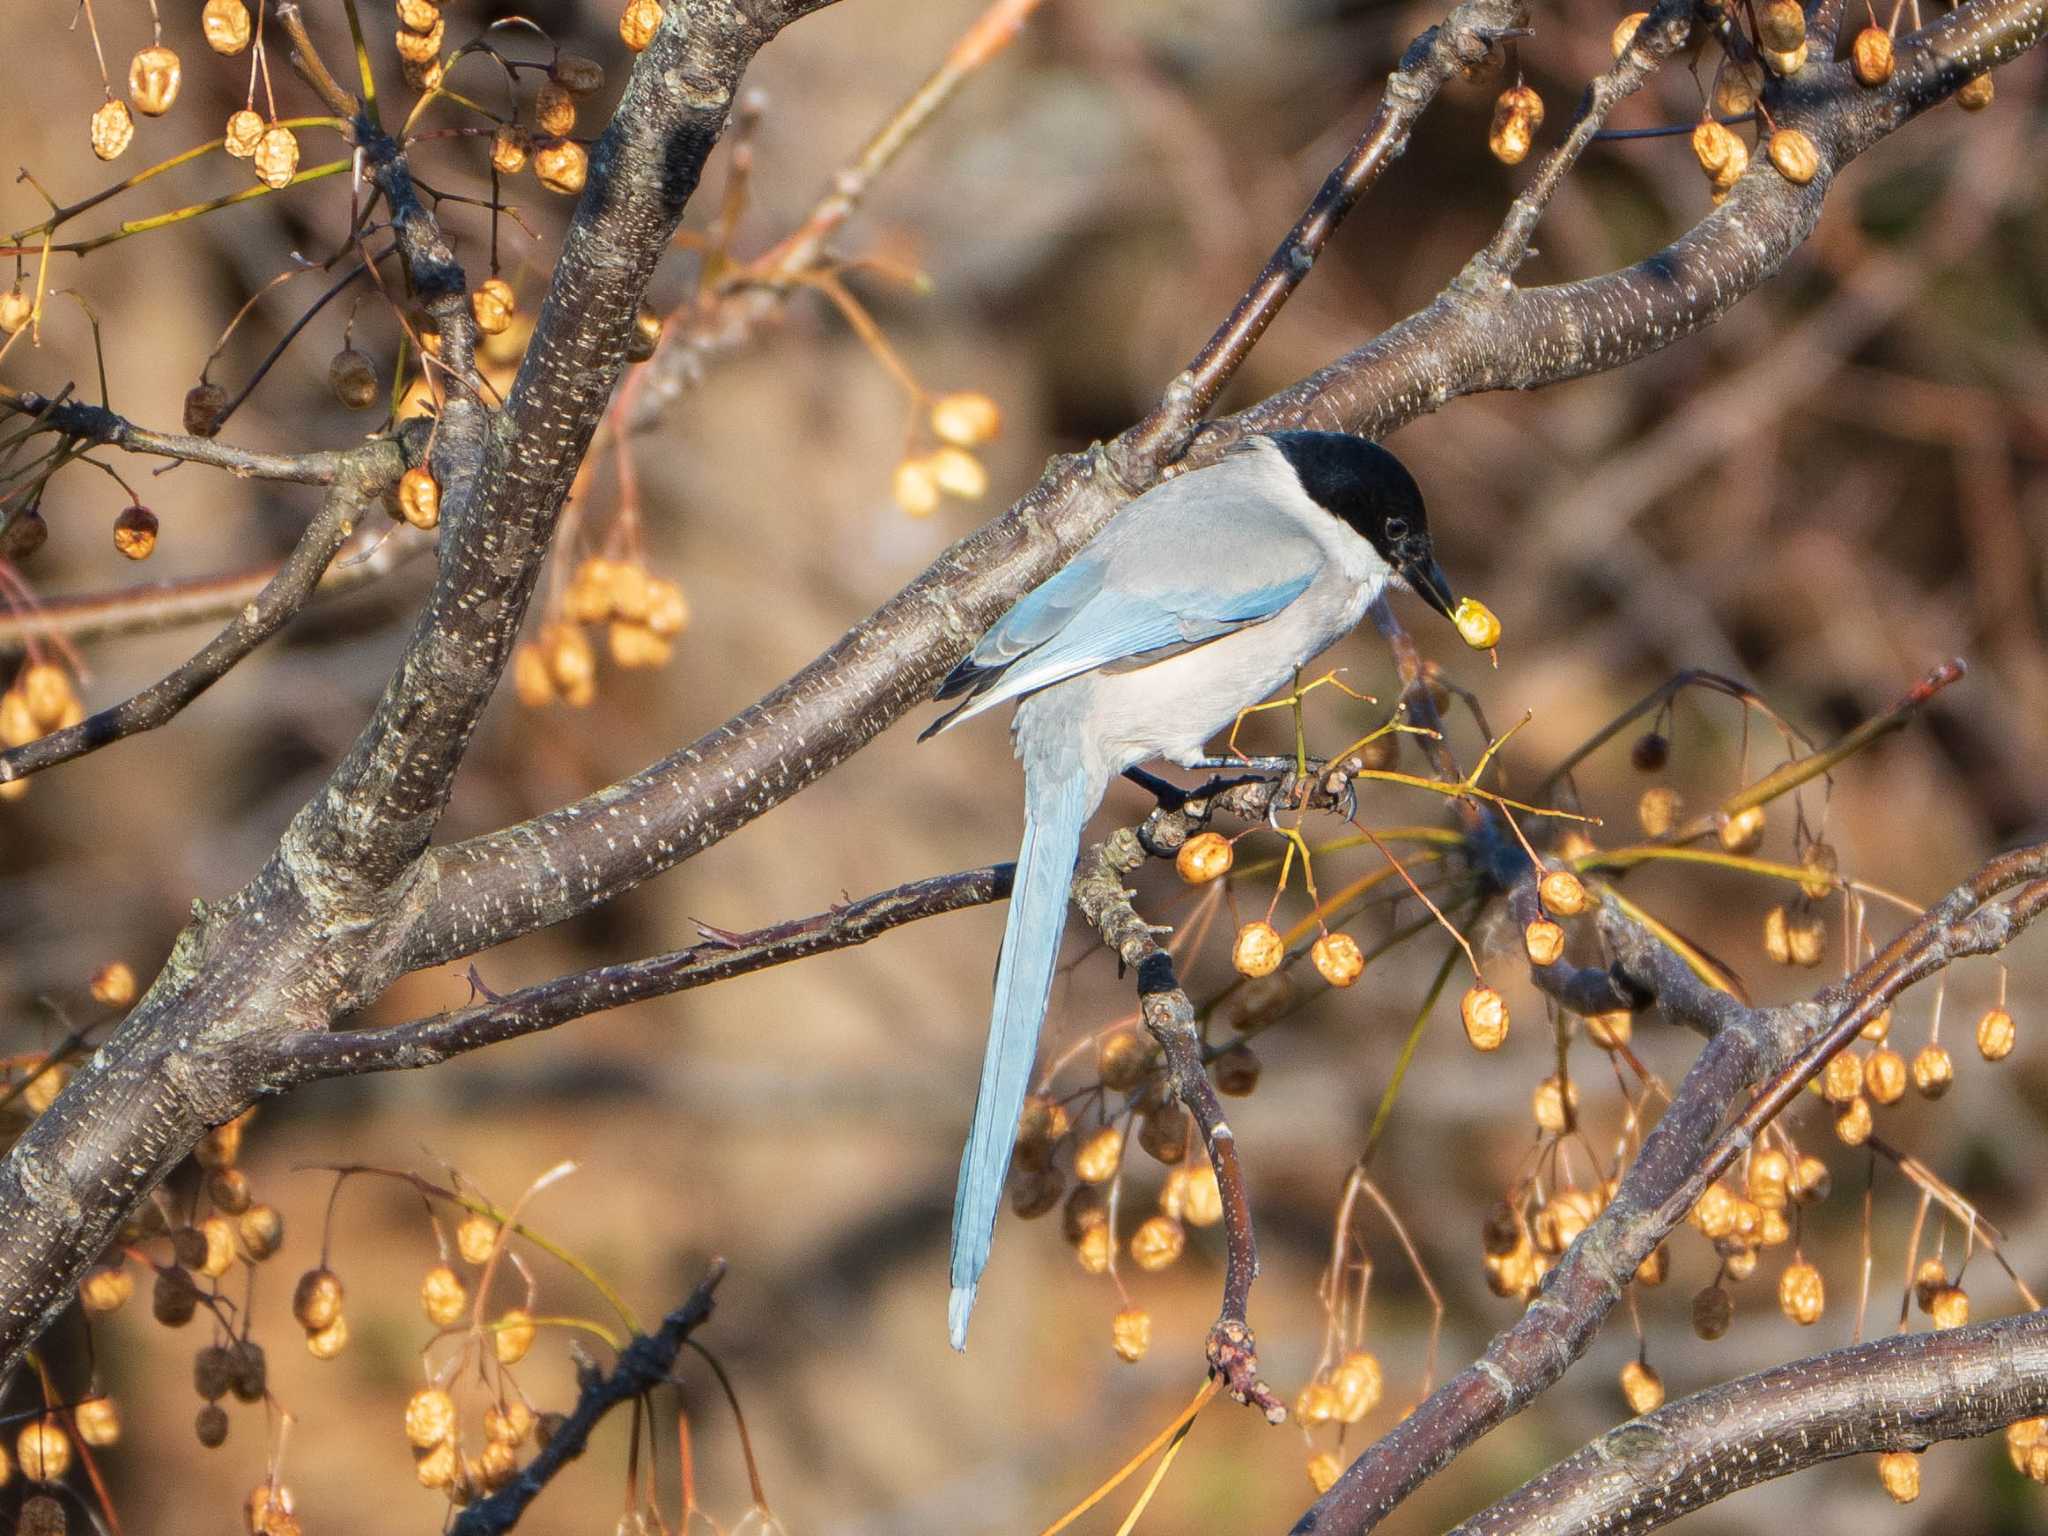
(1476, 624)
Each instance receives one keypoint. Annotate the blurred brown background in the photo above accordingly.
(1842, 484)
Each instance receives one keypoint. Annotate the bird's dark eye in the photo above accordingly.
(1397, 528)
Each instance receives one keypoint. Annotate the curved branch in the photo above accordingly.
(374, 470)
(97, 424)
(496, 887)
(1479, 335)
(646, 1363)
(1783, 1047)
(197, 600)
(1895, 1394)
(531, 1010)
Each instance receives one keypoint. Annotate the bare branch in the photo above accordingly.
(1170, 1018)
(494, 888)
(198, 600)
(530, 1010)
(374, 470)
(1900, 1393)
(1783, 1047)
(96, 424)
(646, 1363)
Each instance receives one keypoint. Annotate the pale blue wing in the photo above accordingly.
(1103, 629)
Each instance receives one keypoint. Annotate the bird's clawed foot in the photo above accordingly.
(1233, 1356)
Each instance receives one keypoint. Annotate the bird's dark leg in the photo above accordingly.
(1171, 796)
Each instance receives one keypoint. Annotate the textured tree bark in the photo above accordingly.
(1483, 333)
(1901, 1393)
(311, 937)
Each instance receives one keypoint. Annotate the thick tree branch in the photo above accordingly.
(1783, 1047)
(355, 492)
(310, 938)
(530, 1010)
(496, 887)
(1900, 1393)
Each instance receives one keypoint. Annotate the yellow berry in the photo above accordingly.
(1158, 1242)
(1793, 153)
(1563, 893)
(1610, 1031)
(154, 75)
(112, 129)
(1094, 1249)
(1742, 832)
(1555, 1104)
(326, 1343)
(98, 1421)
(1899, 1471)
(419, 498)
(1204, 857)
(1544, 941)
(43, 1450)
(243, 132)
(1657, 810)
(562, 166)
(429, 1417)
(443, 1296)
(1485, 1015)
(1359, 1385)
(1324, 1468)
(1854, 1124)
(1933, 1070)
(916, 487)
(1477, 626)
(1338, 959)
(105, 1290)
(276, 157)
(135, 533)
(1801, 1295)
(493, 304)
(1770, 1179)
(1996, 1034)
(1976, 93)
(958, 473)
(509, 148)
(476, 1238)
(226, 25)
(639, 23)
(1625, 32)
(1642, 1386)
(1949, 1307)
(1842, 1079)
(1257, 950)
(966, 418)
(1201, 1198)
(1096, 1160)
(513, 1335)
(1884, 1075)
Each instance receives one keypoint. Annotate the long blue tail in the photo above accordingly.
(1055, 812)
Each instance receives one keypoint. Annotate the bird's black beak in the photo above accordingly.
(1427, 581)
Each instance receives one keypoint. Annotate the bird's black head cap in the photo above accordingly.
(1370, 491)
